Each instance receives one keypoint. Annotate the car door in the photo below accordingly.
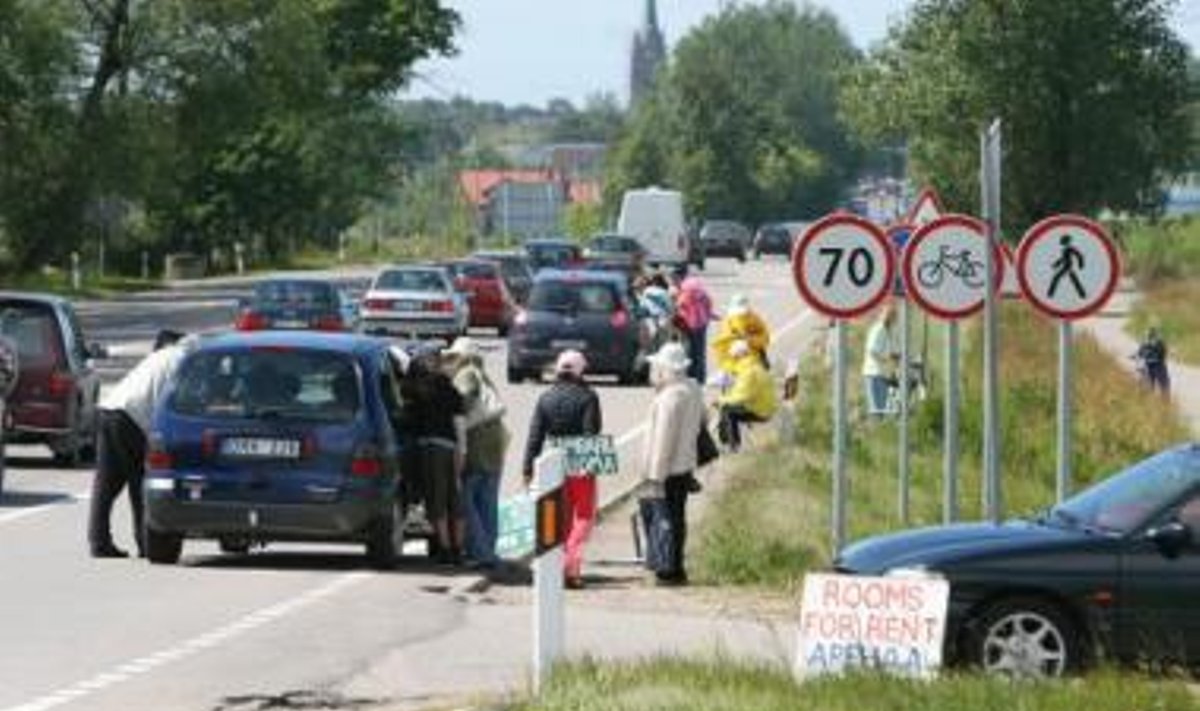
(1159, 603)
(81, 364)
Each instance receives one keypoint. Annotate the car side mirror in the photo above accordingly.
(96, 351)
(1171, 538)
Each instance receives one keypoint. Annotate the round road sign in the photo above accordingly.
(843, 266)
(943, 266)
(1068, 266)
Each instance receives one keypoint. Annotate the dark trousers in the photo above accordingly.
(120, 464)
(675, 490)
(697, 344)
(729, 428)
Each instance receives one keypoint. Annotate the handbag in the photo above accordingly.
(706, 448)
(660, 535)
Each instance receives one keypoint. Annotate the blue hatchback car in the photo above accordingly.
(278, 436)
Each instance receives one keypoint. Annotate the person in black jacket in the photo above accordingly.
(568, 409)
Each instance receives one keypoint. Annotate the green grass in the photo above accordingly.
(727, 685)
(771, 523)
(1171, 307)
(1162, 251)
(59, 282)
(390, 251)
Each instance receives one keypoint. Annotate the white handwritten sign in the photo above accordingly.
(596, 455)
(892, 624)
(515, 534)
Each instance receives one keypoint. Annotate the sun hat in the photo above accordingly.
(571, 362)
(672, 356)
(463, 347)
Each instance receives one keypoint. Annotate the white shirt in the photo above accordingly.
(140, 390)
(878, 351)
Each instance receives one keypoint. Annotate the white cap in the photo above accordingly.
(672, 356)
(739, 304)
(572, 362)
(463, 347)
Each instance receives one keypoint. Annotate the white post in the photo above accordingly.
(841, 484)
(905, 365)
(239, 252)
(549, 638)
(145, 264)
(990, 187)
(950, 422)
(1063, 488)
(76, 276)
(342, 247)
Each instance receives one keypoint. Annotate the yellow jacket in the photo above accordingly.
(753, 388)
(748, 327)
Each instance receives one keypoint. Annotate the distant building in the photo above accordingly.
(573, 161)
(1183, 195)
(523, 203)
(649, 55)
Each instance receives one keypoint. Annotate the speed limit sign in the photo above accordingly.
(844, 266)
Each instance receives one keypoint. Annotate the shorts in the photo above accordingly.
(443, 486)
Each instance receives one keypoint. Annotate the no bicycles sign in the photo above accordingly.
(943, 266)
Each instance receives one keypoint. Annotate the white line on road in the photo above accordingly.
(41, 508)
(138, 667)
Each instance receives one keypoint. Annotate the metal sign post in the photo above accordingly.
(899, 236)
(549, 636)
(843, 267)
(1068, 267)
(945, 273)
(9, 372)
(990, 187)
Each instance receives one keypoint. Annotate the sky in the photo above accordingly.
(531, 51)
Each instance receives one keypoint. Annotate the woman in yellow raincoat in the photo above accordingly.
(751, 398)
(740, 323)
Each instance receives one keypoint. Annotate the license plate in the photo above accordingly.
(261, 447)
(406, 306)
(288, 323)
(569, 345)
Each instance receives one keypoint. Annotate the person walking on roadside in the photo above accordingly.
(125, 413)
(670, 454)
(570, 408)
(1152, 355)
(751, 398)
(741, 323)
(487, 440)
(694, 312)
(880, 359)
(438, 420)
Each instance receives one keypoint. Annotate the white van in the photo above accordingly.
(655, 218)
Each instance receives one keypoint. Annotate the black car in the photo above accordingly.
(775, 238)
(588, 311)
(1112, 573)
(514, 269)
(552, 254)
(725, 238)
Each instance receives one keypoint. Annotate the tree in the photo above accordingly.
(1091, 92)
(745, 120)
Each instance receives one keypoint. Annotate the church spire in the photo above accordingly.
(649, 54)
(651, 16)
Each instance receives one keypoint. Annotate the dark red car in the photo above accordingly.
(54, 401)
(488, 299)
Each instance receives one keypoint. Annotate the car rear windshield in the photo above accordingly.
(474, 270)
(295, 293)
(302, 384)
(34, 328)
(411, 280)
(574, 297)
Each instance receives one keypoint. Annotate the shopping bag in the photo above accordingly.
(660, 535)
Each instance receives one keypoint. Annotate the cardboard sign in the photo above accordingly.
(515, 530)
(596, 455)
(893, 624)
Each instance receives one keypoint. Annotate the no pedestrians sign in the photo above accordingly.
(1068, 267)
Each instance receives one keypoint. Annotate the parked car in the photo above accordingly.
(776, 238)
(725, 238)
(488, 302)
(54, 400)
(552, 254)
(279, 436)
(414, 301)
(589, 311)
(616, 247)
(1111, 572)
(655, 218)
(297, 304)
(514, 266)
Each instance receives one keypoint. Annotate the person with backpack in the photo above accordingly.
(570, 408)
(693, 314)
(487, 440)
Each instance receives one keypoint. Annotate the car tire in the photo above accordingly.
(741, 257)
(385, 537)
(1053, 645)
(516, 376)
(234, 546)
(163, 548)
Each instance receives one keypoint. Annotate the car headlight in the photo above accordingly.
(915, 571)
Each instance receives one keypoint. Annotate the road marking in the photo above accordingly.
(41, 508)
(222, 635)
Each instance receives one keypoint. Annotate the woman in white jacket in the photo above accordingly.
(676, 416)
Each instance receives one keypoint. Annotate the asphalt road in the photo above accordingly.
(218, 630)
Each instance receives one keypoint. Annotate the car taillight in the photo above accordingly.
(61, 384)
(378, 304)
(440, 307)
(250, 321)
(330, 322)
(158, 459)
(619, 319)
(308, 446)
(366, 463)
(208, 444)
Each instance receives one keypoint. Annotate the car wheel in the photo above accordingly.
(516, 376)
(163, 548)
(67, 451)
(1024, 637)
(741, 257)
(234, 546)
(385, 538)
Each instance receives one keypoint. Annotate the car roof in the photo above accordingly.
(347, 343)
(306, 281)
(580, 275)
(34, 297)
(550, 242)
(498, 254)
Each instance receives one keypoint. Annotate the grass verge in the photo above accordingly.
(1171, 307)
(59, 282)
(771, 523)
(726, 685)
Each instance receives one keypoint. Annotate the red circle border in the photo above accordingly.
(972, 223)
(1093, 228)
(814, 231)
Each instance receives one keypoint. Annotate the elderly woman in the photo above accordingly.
(750, 399)
(676, 416)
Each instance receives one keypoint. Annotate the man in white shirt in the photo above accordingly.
(879, 361)
(125, 413)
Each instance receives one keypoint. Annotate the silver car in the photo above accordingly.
(414, 301)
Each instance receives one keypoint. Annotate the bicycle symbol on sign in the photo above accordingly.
(969, 271)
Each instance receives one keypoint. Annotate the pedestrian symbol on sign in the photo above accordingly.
(1067, 265)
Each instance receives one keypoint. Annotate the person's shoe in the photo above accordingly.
(573, 582)
(671, 580)
(693, 485)
(108, 550)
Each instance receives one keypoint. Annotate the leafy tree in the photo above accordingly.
(1092, 94)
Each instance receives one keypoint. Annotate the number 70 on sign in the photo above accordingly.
(843, 266)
